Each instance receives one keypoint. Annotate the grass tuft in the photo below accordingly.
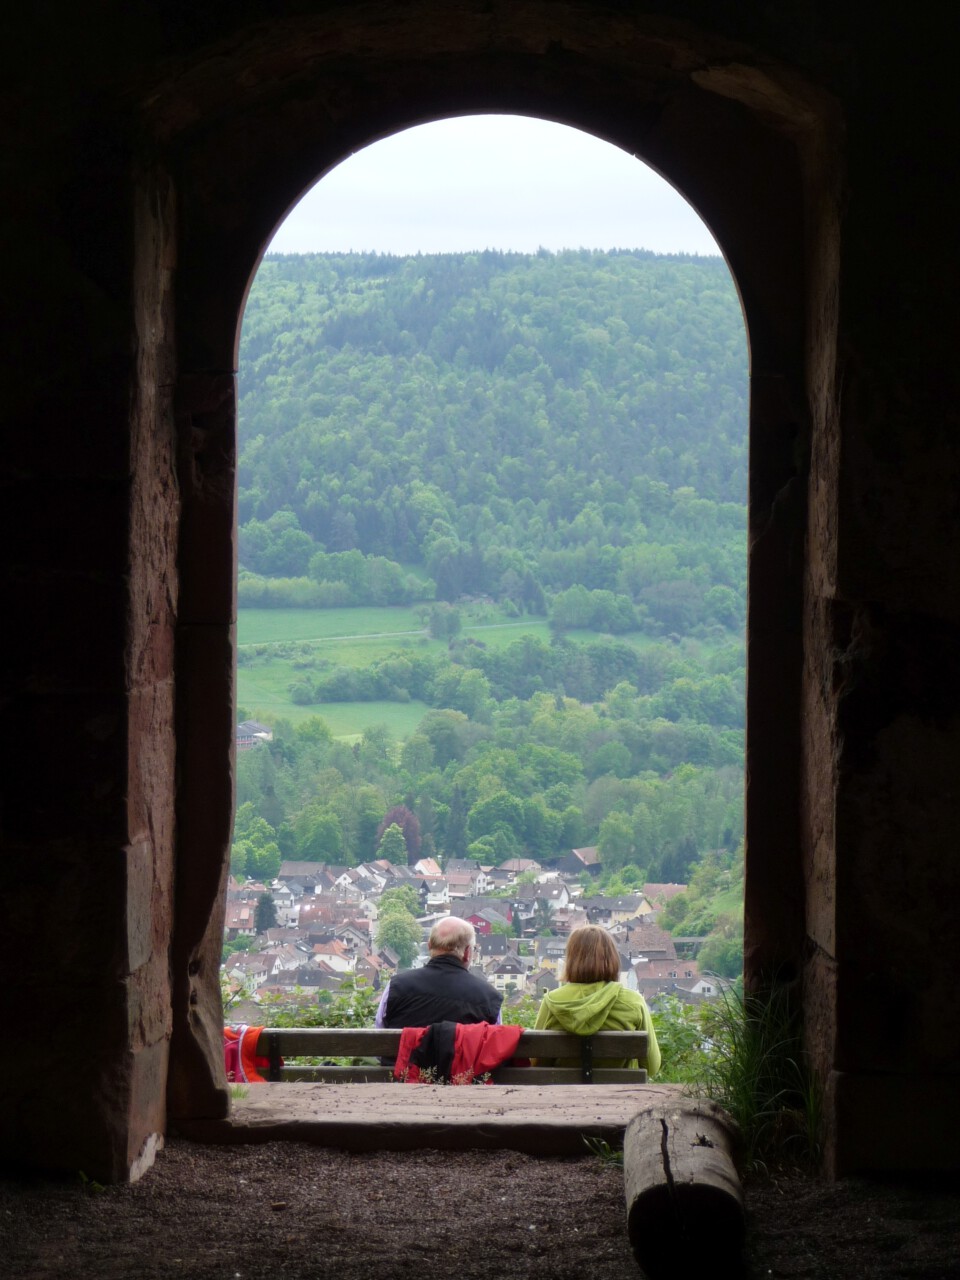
(604, 1152)
(758, 1071)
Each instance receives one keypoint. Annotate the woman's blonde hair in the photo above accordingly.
(591, 956)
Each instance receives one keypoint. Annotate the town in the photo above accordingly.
(314, 930)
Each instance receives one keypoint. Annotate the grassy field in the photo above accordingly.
(278, 646)
(268, 626)
(263, 692)
(350, 719)
(730, 902)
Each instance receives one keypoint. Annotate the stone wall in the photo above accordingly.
(150, 156)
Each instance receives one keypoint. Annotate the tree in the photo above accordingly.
(403, 898)
(319, 834)
(265, 916)
(416, 756)
(448, 732)
(392, 845)
(255, 851)
(409, 825)
(399, 931)
(455, 825)
(376, 745)
(445, 622)
(722, 955)
(616, 842)
(499, 811)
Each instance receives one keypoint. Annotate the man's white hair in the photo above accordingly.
(452, 936)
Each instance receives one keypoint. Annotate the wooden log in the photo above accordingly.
(685, 1212)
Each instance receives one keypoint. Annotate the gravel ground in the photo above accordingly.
(288, 1211)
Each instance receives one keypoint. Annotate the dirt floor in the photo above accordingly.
(288, 1211)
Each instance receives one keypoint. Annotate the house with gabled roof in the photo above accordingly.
(658, 895)
(470, 907)
(372, 969)
(396, 873)
(460, 884)
(565, 919)
(307, 975)
(249, 891)
(316, 913)
(283, 935)
(433, 893)
(706, 987)
(389, 959)
(251, 733)
(487, 920)
(605, 910)
(375, 873)
(300, 877)
(506, 972)
(666, 970)
(366, 884)
(575, 862)
(549, 952)
(477, 876)
(250, 968)
(335, 955)
(496, 944)
(354, 934)
(343, 883)
(648, 941)
(555, 894)
(541, 982)
(518, 866)
(239, 920)
(328, 979)
(286, 957)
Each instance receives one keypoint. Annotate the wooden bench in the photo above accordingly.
(278, 1043)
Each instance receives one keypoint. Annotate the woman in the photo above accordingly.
(591, 997)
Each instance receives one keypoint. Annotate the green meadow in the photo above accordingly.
(263, 692)
(276, 645)
(270, 626)
(350, 719)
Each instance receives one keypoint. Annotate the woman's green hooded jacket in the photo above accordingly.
(587, 1007)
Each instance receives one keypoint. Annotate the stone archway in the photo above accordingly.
(149, 155)
(246, 131)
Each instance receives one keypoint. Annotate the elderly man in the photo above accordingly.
(443, 990)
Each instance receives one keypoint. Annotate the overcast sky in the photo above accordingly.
(491, 182)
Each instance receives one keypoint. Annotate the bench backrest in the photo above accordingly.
(371, 1042)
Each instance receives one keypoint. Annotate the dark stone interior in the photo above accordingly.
(148, 152)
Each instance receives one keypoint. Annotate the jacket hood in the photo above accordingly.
(582, 1007)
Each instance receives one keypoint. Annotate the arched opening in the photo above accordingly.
(540, 203)
(743, 170)
(152, 166)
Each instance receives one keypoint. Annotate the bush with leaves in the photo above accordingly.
(683, 1038)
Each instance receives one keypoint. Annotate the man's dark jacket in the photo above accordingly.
(442, 991)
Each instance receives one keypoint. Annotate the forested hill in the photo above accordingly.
(509, 423)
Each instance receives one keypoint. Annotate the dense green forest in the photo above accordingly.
(563, 435)
(557, 431)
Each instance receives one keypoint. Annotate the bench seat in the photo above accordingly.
(278, 1043)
